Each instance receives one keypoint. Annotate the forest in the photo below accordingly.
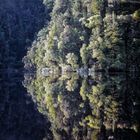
(69, 69)
(84, 43)
(88, 35)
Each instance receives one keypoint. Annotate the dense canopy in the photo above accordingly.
(103, 35)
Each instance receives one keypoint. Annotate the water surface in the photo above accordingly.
(97, 107)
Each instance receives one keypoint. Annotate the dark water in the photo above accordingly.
(97, 107)
(19, 117)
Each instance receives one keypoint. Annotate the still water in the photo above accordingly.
(70, 107)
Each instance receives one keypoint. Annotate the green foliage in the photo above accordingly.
(96, 5)
(95, 35)
(84, 90)
(93, 103)
(48, 3)
(136, 15)
(85, 55)
(72, 60)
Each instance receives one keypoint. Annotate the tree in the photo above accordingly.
(72, 60)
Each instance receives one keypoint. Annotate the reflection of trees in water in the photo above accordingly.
(98, 107)
(19, 119)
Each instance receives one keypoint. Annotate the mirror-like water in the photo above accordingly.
(98, 107)
(19, 118)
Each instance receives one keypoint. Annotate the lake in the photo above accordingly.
(96, 107)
